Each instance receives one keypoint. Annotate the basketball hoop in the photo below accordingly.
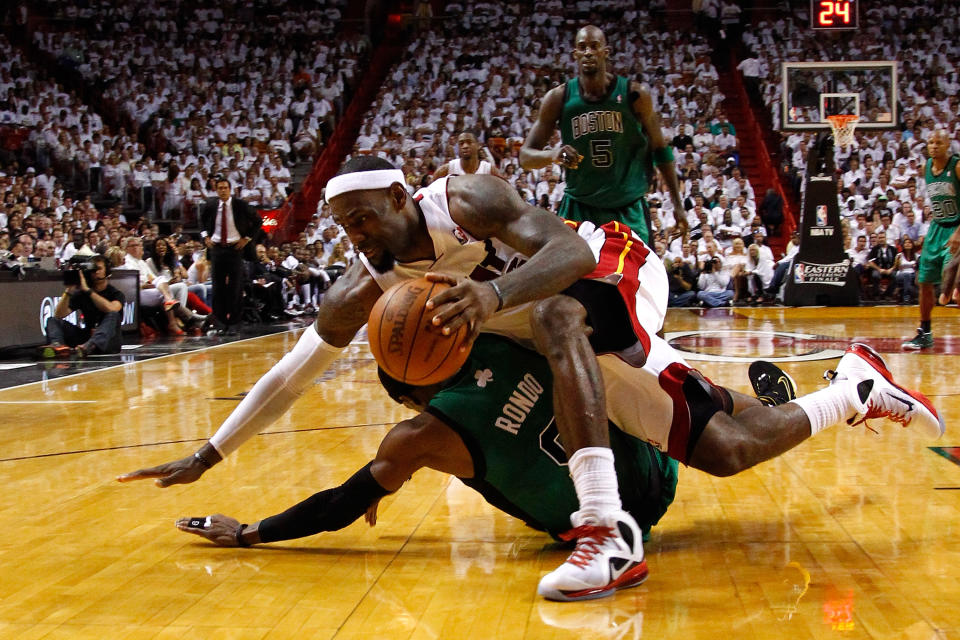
(843, 126)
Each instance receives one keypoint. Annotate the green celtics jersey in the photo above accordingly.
(944, 193)
(501, 405)
(616, 163)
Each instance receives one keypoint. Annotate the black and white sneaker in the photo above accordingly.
(773, 385)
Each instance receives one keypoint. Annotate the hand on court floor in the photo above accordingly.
(222, 530)
(371, 515)
(183, 471)
(466, 302)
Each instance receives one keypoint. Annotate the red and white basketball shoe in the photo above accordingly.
(886, 399)
(608, 556)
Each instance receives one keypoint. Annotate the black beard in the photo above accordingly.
(385, 263)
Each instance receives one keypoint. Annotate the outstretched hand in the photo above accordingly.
(183, 471)
(219, 529)
(371, 515)
(466, 302)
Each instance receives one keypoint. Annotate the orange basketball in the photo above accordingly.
(404, 341)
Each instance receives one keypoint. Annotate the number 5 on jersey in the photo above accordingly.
(601, 154)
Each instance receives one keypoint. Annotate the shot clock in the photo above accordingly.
(834, 14)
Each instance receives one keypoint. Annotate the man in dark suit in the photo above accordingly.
(228, 226)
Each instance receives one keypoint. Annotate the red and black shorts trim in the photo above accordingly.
(611, 308)
(613, 327)
(695, 400)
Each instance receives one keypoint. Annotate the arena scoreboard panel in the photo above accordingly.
(835, 14)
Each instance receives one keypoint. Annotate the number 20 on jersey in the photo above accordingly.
(834, 14)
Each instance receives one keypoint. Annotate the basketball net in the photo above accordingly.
(843, 126)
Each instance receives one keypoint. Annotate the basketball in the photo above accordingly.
(406, 345)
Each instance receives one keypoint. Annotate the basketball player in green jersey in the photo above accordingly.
(942, 177)
(491, 425)
(610, 141)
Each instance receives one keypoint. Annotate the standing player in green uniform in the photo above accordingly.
(610, 140)
(942, 177)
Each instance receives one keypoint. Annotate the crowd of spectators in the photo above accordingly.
(481, 86)
(195, 93)
(233, 101)
(225, 89)
(880, 189)
(285, 281)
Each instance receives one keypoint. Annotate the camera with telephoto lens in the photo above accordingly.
(76, 265)
(710, 265)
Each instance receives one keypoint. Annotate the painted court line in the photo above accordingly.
(179, 353)
(48, 401)
(14, 365)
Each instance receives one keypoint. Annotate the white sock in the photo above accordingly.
(595, 481)
(829, 406)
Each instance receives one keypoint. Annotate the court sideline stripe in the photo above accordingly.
(168, 355)
(48, 401)
(155, 444)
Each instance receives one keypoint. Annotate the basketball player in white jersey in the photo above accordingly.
(514, 470)
(471, 226)
(469, 160)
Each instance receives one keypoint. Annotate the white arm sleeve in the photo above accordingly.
(276, 391)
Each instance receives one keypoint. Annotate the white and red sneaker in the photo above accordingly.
(886, 398)
(608, 556)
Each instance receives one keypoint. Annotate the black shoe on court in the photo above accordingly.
(773, 385)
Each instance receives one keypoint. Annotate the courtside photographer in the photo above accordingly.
(100, 303)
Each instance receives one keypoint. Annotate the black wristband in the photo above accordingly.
(203, 460)
(240, 541)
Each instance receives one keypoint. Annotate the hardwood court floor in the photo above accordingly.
(851, 535)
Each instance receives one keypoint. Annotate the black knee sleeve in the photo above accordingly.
(704, 400)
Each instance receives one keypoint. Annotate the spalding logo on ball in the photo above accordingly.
(406, 344)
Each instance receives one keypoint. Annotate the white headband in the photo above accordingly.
(363, 180)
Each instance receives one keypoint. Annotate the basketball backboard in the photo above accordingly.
(812, 91)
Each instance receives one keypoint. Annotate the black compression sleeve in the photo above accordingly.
(325, 511)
